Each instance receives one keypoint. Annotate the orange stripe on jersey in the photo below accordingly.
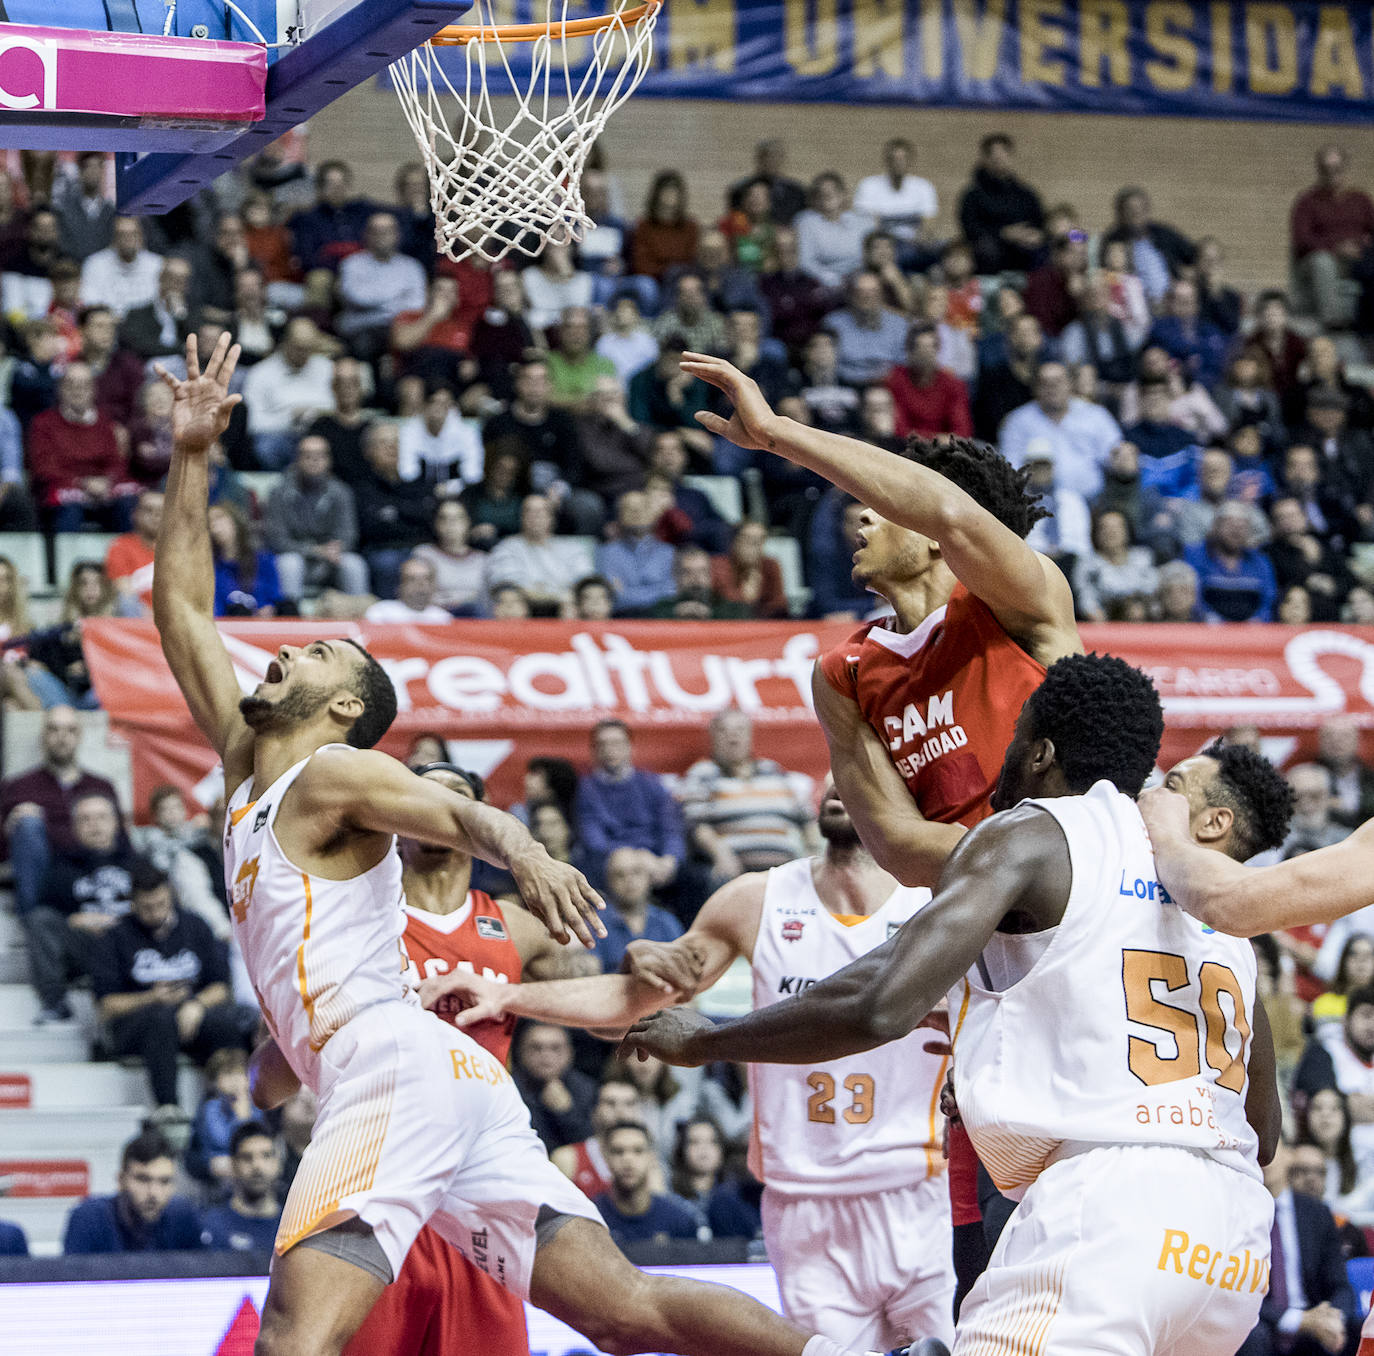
(933, 1163)
(851, 920)
(236, 815)
(963, 1012)
(300, 961)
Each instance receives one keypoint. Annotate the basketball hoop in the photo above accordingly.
(513, 182)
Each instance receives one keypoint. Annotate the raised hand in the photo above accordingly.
(466, 999)
(753, 422)
(1166, 814)
(559, 897)
(672, 967)
(201, 405)
(667, 1035)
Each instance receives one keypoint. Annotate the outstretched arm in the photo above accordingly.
(1017, 862)
(366, 790)
(1026, 592)
(904, 843)
(1317, 887)
(184, 580)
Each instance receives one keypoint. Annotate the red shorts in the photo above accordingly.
(440, 1305)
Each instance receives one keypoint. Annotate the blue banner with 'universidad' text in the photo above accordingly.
(1224, 59)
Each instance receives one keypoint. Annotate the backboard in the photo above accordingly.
(186, 89)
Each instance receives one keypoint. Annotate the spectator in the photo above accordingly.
(150, 434)
(85, 214)
(1325, 1124)
(698, 1161)
(1000, 216)
(593, 599)
(257, 324)
(1097, 337)
(159, 328)
(494, 504)
(692, 514)
(633, 1211)
(228, 1104)
(129, 558)
(1246, 398)
(1345, 962)
(311, 524)
(761, 358)
(56, 651)
(632, 916)
(956, 348)
(440, 446)
(559, 1098)
(1159, 253)
(1115, 570)
(1168, 452)
(797, 302)
(1081, 435)
(1310, 1307)
(215, 266)
(617, 1101)
(665, 397)
(1347, 454)
(612, 443)
(870, 340)
(26, 287)
(638, 565)
(1359, 607)
(749, 575)
(333, 228)
(189, 855)
(269, 242)
(690, 320)
(728, 287)
(603, 247)
(1313, 825)
(143, 1215)
(574, 367)
(1330, 226)
(501, 336)
(414, 601)
(900, 202)
(1352, 778)
(620, 806)
(246, 583)
(13, 1241)
(928, 400)
(1303, 560)
(833, 538)
(75, 459)
(1177, 597)
(1276, 344)
(1053, 290)
(344, 425)
(830, 234)
(376, 285)
(248, 1222)
(1329, 508)
(1190, 406)
(627, 342)
(786, 196)
(162, 985)
(554, 285)
(695, 598)
(1066, 534)
(665, 235)
(1323, 370)
(1007, 383)
(1186, 522)
(1236, 580)
(285, 392)
(1182, 333)
(1222, 306)
(434, 343)
(831, 404)
(124, 275)
(459, 569)
(393, 515)
(545, 567)
(743, 813)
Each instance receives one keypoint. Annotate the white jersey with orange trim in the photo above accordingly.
(865, 1123)
(317, 951)
(1128, 1023)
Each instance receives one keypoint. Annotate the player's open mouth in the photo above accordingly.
(275, 673)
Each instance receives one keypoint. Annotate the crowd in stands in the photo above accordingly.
(424, 439)
(420, 440)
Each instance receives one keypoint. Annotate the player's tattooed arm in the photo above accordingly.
(1317, 887)
(1013, 870)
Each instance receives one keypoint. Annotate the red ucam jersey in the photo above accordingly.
(475, 938)
(944, 700)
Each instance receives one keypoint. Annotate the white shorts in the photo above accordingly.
(1123, 1251)
(868, 1272)
(418, 1124)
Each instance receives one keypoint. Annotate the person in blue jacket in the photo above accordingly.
(143, 1215)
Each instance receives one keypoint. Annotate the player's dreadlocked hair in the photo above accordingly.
(1104, 719)
(981, 471)
(1255, 792)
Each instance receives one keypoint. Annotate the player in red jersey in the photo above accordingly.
(440, 1304)
(919, 708)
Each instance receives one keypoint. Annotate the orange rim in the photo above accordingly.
(459, 35)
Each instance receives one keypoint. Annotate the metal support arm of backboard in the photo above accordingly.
(358, 45)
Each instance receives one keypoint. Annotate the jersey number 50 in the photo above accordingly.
(1141, 971)
(860, 1088)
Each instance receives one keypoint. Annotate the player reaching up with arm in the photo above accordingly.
(927, 701)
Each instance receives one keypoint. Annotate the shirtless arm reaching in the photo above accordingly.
(1025, 591)
(184, 580)
(1317, 887)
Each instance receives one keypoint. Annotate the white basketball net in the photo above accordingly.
(512, 181)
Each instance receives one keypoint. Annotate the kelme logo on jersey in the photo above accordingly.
(792, 930)
(493, 929)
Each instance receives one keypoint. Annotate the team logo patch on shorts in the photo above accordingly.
(493, 929)
(792, 930)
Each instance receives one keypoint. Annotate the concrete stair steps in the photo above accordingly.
(67, 1132)
(64, 1044)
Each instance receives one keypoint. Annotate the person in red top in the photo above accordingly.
(129, 561)
(436, 339)
(918, 709)
(1330, 226)
(929, 400)
(441, 1305)
(617, 1101)
(75, 461)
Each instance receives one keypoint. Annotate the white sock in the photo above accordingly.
(823, 1346)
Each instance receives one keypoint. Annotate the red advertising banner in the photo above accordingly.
(34, 1177)
(16, 1092)
(503, 692)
